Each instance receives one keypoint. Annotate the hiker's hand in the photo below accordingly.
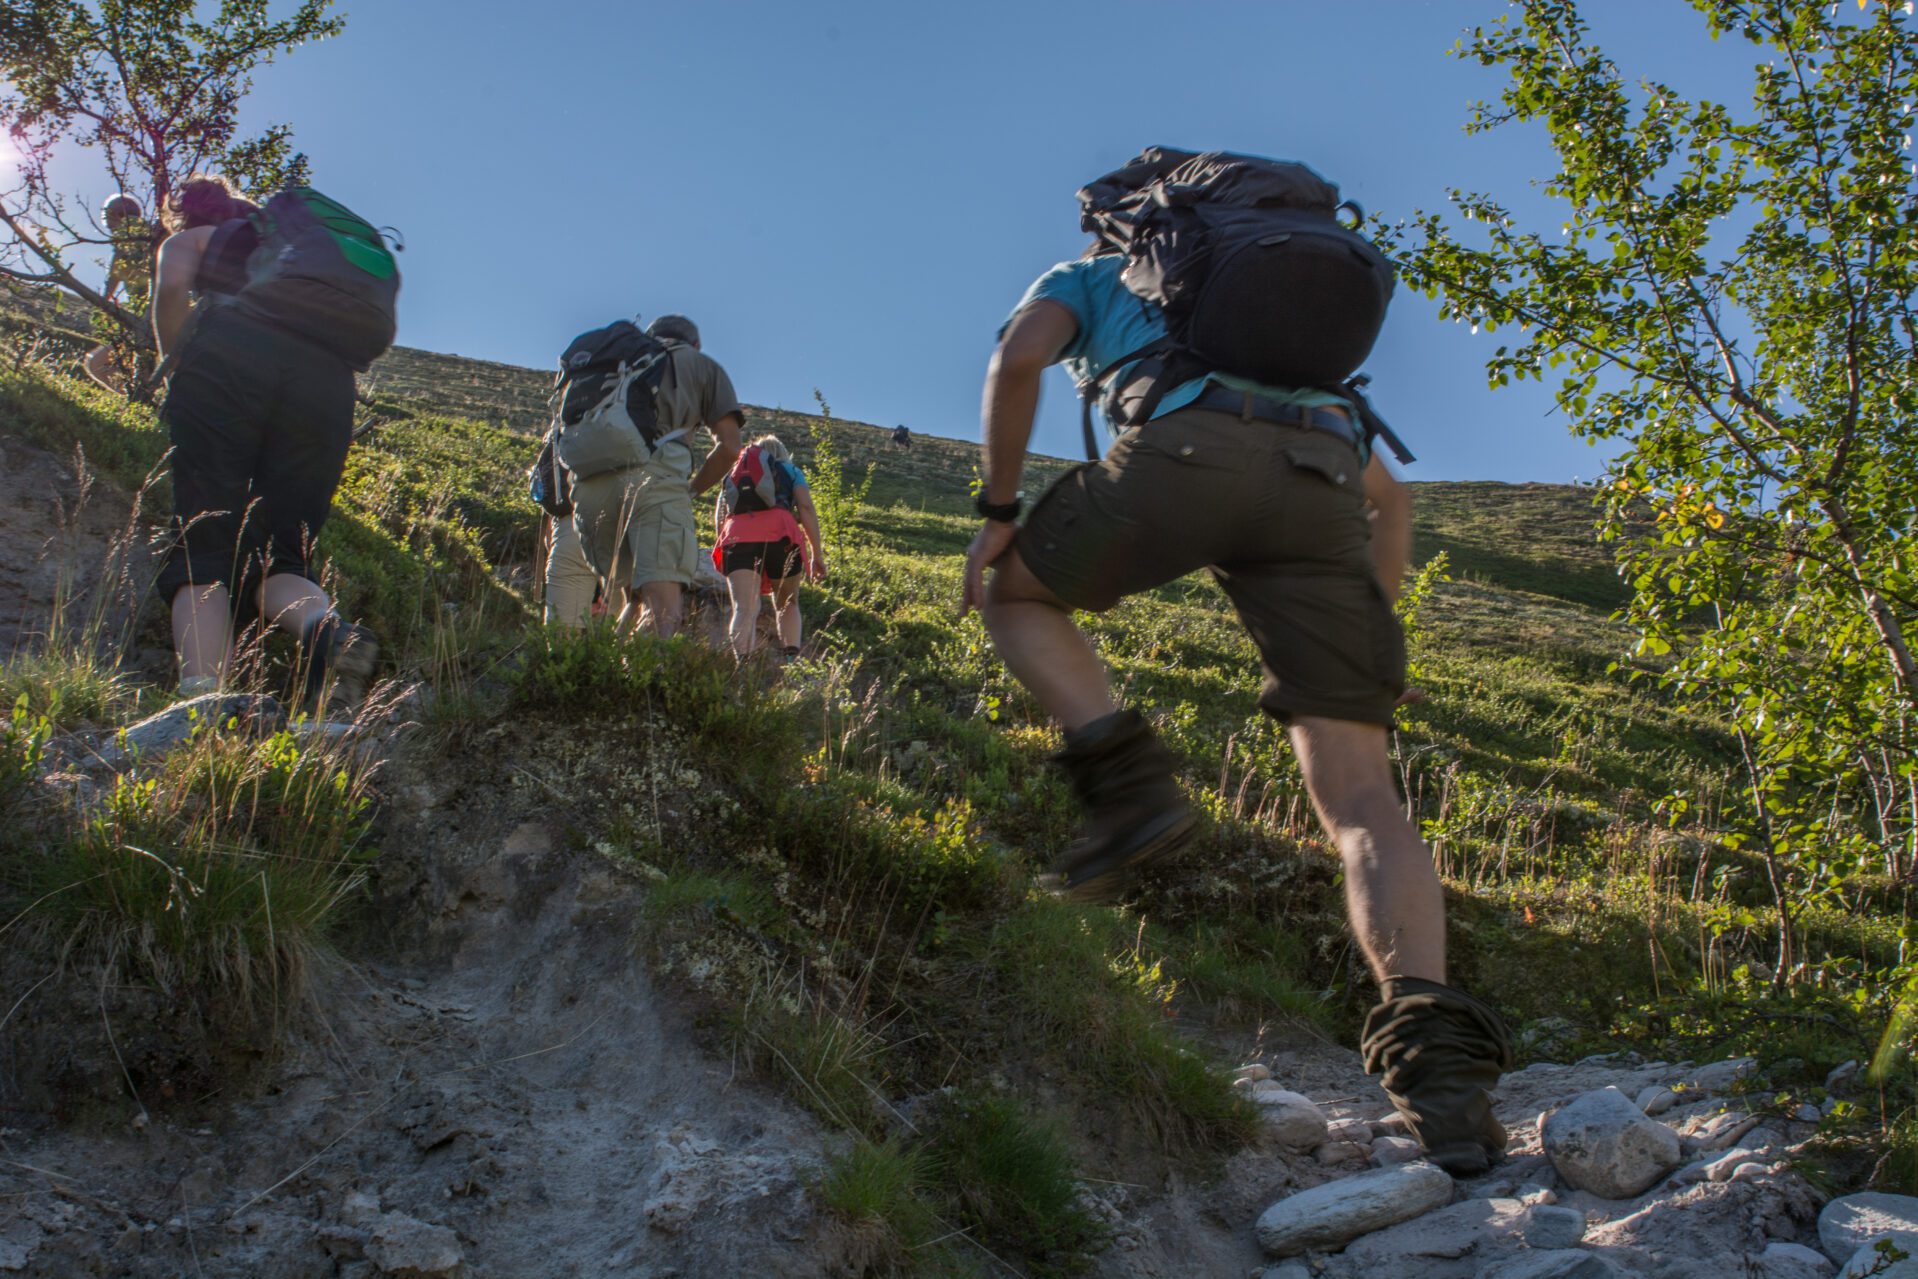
(1410, 697)
(987, 549)
(816, 570)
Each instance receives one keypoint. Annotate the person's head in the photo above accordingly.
(205, 199)
(121, 210)
(675, 328)
(775, 448)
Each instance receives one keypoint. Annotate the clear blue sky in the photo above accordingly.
(849, 195)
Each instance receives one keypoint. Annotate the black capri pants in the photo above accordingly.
(260, 422)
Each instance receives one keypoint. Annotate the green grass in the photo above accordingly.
(213, 878)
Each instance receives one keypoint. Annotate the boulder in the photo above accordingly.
(169, 729)
(1387, 1151)
(1559, 1263)
(1849, 1222)
(1722, 1166)
(1600, 1142)
(1252, 1072)
(1459, 1242)
(1334, 1214)
(1656, 1100)
(1546, 1227)
(1720, 1075)
(1793, 1261)
(1875, 1257)
(1293, 1119)
(1340, 1152)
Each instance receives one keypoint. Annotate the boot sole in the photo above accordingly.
(1108, 881)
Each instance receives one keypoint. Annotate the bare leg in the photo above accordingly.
(663, 602)
(1392, 893)
(741, 628)
(1033, 631)
(292, 603)
(786, 605)
(629, 612)
(202, 630)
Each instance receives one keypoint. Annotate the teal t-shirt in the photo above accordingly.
(1114, 322)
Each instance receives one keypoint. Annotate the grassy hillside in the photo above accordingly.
(846, 884)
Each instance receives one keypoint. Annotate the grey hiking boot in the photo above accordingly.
(1135, 814)
(1438, 1053)
(341, 658)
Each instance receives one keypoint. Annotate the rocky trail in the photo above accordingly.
(494, 1082)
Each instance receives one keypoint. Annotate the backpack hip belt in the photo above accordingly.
(1250, 407)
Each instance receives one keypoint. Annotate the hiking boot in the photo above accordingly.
(340, 660)
(1438, 1053)
(1135, 814)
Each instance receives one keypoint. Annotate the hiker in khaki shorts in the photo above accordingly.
(1275, 490)
(636, 526)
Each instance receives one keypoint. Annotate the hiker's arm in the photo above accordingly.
(1033, 339)
(809, 521)
(1032, 342)
(725, 453)
(1391, 529)
(173, 285)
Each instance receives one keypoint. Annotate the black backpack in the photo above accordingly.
(606, 414)
(1257, 276)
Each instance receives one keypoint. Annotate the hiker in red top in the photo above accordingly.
(763, 508)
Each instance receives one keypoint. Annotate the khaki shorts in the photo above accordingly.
(1278, 515)
(635, 532)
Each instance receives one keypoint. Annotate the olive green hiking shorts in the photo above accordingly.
(1277, 513)
(634, 532)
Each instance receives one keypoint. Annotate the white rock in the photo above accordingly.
(408, 1246)
(1602, 1143)
(1656, 1100)
(1840, 1076)
(1353, 1130)
(1252, 1072)
(1340, 1152)
(1721, 1167)
(1560, 1263)
(1536, 1195)
(1293, 1119)
(1387, 1151)
(1793, 1261)
(1691, 1172)
(1547, 1227)
(1847, 1222)
(1869, 1261)
(1750, 1172)
(1334, 1214)
(1720, 1075)
(1721, 1136)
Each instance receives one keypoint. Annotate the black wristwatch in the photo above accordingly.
(1003, 512)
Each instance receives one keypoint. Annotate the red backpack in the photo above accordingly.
(758, 483)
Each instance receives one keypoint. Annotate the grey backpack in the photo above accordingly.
(606, 407)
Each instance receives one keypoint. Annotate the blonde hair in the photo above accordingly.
(774, 445)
